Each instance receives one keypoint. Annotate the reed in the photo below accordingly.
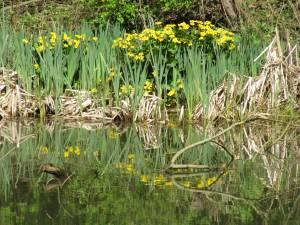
(60, 61)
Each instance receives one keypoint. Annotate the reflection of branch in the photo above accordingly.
(180, 152)
(11, 150)
(247, 201)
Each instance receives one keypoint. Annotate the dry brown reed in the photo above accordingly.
(277, 84)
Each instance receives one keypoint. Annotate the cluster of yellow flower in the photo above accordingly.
(71, 150)
(51, 40)
(200, 184)
(183, 34)
(126, 89)
(160, 179)
(173, 90)
(44, 150)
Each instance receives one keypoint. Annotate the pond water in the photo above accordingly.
(116, 174)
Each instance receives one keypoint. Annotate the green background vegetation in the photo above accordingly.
(259, 17)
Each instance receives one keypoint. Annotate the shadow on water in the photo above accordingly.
(73, 173)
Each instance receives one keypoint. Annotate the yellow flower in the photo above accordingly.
(53, 38)
(36, 66)
(139, 57)
(70, 42)
(77, 151)
(126, 89)
(25, 41)
(41, 40)
(176, 40)
(154, 73)
(76, 43)
(94, 39)
(66, 37)
(172, 92)
(231, 46)
(40, 48)
(183, 26)
(66, 45)
(80, 36)
(158, 23)
(180, 84)
(94, 90)
(66, 154)
(148, 86)
(44, 150)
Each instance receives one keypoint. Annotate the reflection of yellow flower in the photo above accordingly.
(186, 184)
(129, 168)
(169, 183)
(158, 179)
(200, 184)
(130, 156)
(211, 180)
(70, 149)
(44, 150)
(112, 134)
(144, 178)
(66, 154)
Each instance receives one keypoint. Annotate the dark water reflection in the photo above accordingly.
(114, 175)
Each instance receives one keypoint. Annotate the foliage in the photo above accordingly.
(261, 17)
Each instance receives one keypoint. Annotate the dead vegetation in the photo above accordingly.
(277, 86)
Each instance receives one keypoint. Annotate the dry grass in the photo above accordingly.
(277, 84)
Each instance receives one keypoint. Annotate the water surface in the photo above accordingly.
(116, 175)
